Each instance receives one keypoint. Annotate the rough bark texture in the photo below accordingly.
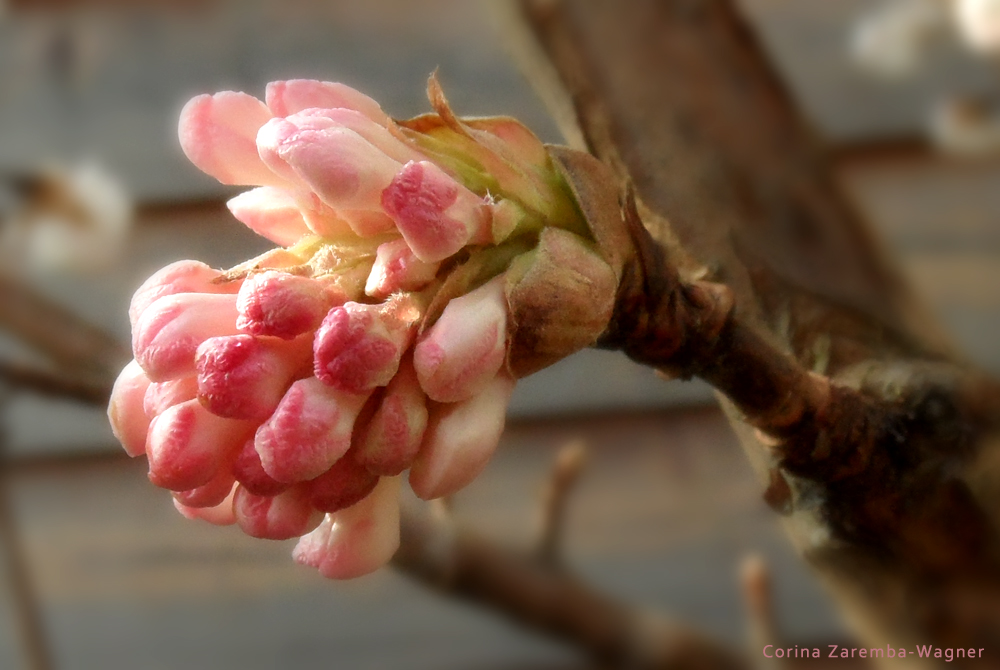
(872, 436)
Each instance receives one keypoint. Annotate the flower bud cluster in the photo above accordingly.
(289, 394)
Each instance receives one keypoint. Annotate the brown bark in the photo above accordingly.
(870, 433)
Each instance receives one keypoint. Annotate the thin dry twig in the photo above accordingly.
(565, 473)
(762, 629)
(65, 338)
(27, 611)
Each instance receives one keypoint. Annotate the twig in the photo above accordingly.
(19, 579)
(84, 387)
(840, 385)
(461, 564)
(64, 337)
(565, 473)
(762, 628)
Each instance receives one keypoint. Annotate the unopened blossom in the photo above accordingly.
(308, 432)
(127, 413)
(397, 269)
(391, 439)
(283, 305)
(461, 437)
(465, 349)
(169, 332)
(358, 346)
(290, 394)
(356, 540)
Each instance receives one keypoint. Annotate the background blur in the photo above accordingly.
(667, 507)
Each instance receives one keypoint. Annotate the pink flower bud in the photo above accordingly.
(244, 377)
(279, 517)
(218, 134)
(392, 437)
(188, 446)
(251, 475)
(208, 495)
(282, 305)
(465, 348)
(179, 277)
(358, 347)
(397, 269)
(343, 485)
(169, 331)
(219, 515)
(270, 212)
(377, 134)
(460, 440)
(129, 422)
(308, 432)
(161, 395)
(345, 170)
(285, 98)
(436, 215)
(358, 540)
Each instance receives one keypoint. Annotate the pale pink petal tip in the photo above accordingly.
(218, 134)
(460, 440)
(310, 429)
(169, 331)
(270, 212)
(126, 412)
(466, 347)
(358, 540)
(285, 98)
(436, 215)
(398, 269)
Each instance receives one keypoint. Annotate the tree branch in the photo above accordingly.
(87, 388)
(461, 564)
(872, 436)
(62, 336)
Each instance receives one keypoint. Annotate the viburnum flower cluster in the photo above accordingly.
(424, 265)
